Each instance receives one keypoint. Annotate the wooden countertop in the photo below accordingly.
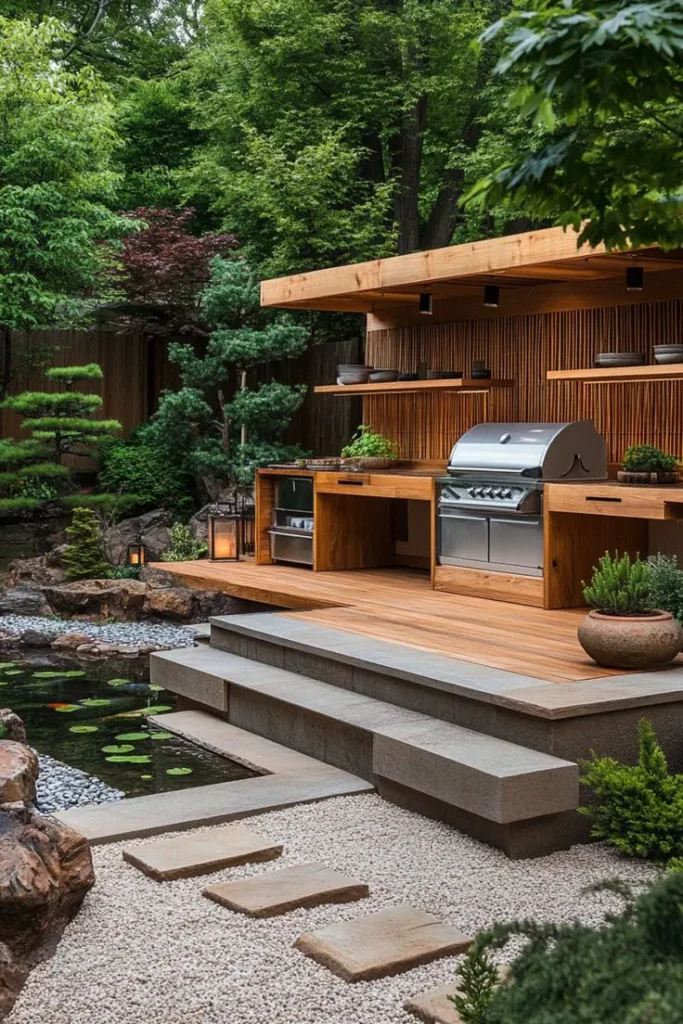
(611, 498)
(426, 468)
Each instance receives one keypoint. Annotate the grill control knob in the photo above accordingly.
(506, 493)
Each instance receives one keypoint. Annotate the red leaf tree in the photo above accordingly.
(165, 269)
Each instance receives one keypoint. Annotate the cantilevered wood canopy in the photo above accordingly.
(535, 271)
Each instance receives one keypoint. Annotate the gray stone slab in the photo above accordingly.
(492, 778)
(277, 892)
(208, 805)
(598, 696)
(434, 1006)
(388, 942)
(192, 672)
(188, 856)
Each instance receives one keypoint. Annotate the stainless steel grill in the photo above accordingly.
(490, 505)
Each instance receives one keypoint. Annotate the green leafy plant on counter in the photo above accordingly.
(666, 584)
(84, 555)
(644, 458)
(637, 808)
(183, 547)
(366, 444)
(619, 586)
(626, 970)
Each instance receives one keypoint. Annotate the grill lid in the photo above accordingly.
(542, 451)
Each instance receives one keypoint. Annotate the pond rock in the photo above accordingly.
(170, 603)
(11, 726)
(37, 572)
(23, 600)
(18, 773)
(107, 599)
(150, 529)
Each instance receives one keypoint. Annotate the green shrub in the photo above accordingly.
(666, 584)
(644, 458)
(477, 981)
(365, 444)
(112, 504)
(68, 374)
(619, 586)
(123, 572)
(145, 470)
(183, 546)
(638, 808)
(84, 555)
(628, 970)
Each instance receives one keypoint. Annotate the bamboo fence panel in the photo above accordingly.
(524, 348)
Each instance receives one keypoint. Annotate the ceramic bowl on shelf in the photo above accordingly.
(605, 359)
(408, 376)
(383, 376)
(668, 353)
(354, 377)
(450, 374)
(352, 368)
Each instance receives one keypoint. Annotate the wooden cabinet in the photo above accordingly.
(611, 499)
(376, 485)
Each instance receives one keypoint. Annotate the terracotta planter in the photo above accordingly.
(630, 641)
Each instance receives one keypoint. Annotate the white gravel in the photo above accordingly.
(60, 787)
(135, 633)
(141, 950)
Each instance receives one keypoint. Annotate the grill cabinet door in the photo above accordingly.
(463, 536)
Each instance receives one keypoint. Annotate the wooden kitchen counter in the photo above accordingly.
(610, 498)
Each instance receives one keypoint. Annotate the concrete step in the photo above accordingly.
(490, 787)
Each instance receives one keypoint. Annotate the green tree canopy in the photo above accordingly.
(605, 80)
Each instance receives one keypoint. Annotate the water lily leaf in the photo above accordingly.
(13, 672)
(128, 714)
(95, 702)
(156, 709)
(7, 664)
(129, 758)
(130, 737)
(4, 682)
(161, 735)
(179, 771)
(65, 707)
(120, 748)
(146, 776)
(83, 728)
(118, 682)
(155, 687)
(66, 674)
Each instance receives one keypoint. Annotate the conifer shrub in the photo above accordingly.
(619, 586)
(637, 808)
(84, 558)
(666, 584)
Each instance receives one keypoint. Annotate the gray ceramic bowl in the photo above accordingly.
(619, 359)
(674, 356)
(357, 377)
(383, 376)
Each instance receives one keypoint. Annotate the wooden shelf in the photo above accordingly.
(461, 385)
(620, 374)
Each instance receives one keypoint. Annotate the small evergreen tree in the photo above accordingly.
(478, 979)
(223, 451)
(27, 476)
(84, 556)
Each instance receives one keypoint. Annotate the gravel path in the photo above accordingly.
(141, 950)
(134, 633)
(60, 786)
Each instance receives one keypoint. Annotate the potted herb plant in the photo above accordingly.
(369, 450)
(623, 630)
(644, 464)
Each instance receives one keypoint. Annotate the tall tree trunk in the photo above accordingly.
(406, 153)
(6, 359)
(445, 214)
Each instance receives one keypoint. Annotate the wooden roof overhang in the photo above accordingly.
(538, 271)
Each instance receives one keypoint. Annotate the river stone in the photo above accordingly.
(11, 726)
(388, 942)
(18, 773)
(186, 856)
(276, 892)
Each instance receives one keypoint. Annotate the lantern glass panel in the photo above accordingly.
(136, 555)
(224, 538)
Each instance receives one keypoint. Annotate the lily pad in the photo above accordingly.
(155, 687)
(7, 664)
(129, 758)
(120, 748)
(13, 672)
(118, 682)
(66, 674)
(146, 776)
(128, 714)
(66, 707)
(83, 728)
(160, 735)
(156, 709)
(95, 702)
(179, 771)
(130, 737)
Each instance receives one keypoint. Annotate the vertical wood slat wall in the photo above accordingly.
(524, 348)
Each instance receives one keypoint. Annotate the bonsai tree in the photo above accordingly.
(61, 423)
(222, 450)
(365, 444)
(644, 458)
(84, 558)
(619, 586)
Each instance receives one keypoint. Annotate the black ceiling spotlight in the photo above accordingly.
(635, 278)
(492, 295)
(425, 305)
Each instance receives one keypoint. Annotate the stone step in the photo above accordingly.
(191, 855)
(381, 944)
(277, 892)
(434, 1005)
(402, 751)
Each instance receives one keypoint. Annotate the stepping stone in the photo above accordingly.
(388, 942)
(434, 1006)
(188, 855)
(306, 885)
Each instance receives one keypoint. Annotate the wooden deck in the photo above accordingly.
(399, 605)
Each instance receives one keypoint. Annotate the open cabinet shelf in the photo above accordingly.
(620, 374)
(459, 385)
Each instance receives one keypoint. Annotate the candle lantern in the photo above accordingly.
(225, 536)
(136, 555)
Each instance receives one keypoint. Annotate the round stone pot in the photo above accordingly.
(630, 641)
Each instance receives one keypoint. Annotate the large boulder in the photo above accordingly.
(11, 726)
(18, 773)
(24, 600)
(34, 572)
(151, 530)
(199, 524)
(170, 603)
(106, 599)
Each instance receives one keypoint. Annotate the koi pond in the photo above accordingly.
(95, 717)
